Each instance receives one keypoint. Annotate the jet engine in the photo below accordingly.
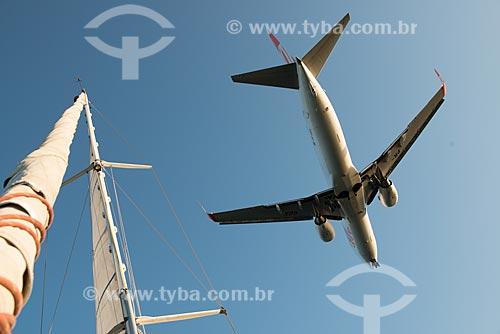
(325, 229)
(388, 196)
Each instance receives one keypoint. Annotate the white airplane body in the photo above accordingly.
(328, 136)
(351, 190)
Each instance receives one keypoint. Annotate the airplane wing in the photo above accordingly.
(379, 170)
(322, 203)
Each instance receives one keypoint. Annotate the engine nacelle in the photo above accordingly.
(325, 229)
(388, 196)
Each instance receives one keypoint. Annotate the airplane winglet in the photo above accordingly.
(442, 81)
(210, 215)
(282, 51)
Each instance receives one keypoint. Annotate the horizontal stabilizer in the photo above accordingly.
(318, 55)
(284, 76)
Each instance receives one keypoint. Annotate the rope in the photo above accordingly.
(16, 293)
(7, 221)
(7, 322)
(68, 262)
(38, 197)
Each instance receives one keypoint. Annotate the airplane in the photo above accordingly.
(351, 191)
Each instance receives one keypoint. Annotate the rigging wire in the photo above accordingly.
(164, 193)
(181, 226)
(176, 254)
(117, 132)
(193, 250)
(148, 221)
(68, 261)
(126, 253)
(44, 282)
(161, 236)
(174, 212)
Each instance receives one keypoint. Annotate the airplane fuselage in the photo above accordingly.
(329, 142)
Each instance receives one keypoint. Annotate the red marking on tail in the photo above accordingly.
(281, 49)
(274, 39)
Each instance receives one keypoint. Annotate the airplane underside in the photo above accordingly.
(351, 191)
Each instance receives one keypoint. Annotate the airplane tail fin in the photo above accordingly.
(318, 55)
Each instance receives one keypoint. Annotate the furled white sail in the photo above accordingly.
(26, 212)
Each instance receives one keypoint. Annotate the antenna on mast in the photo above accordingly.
(80, 83)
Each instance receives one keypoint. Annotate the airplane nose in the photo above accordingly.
(370, 254)
(374, 263)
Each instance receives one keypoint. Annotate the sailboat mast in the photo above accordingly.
(124, 294)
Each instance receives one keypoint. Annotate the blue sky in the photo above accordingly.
(229, 145)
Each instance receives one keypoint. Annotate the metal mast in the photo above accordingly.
(124, 294)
